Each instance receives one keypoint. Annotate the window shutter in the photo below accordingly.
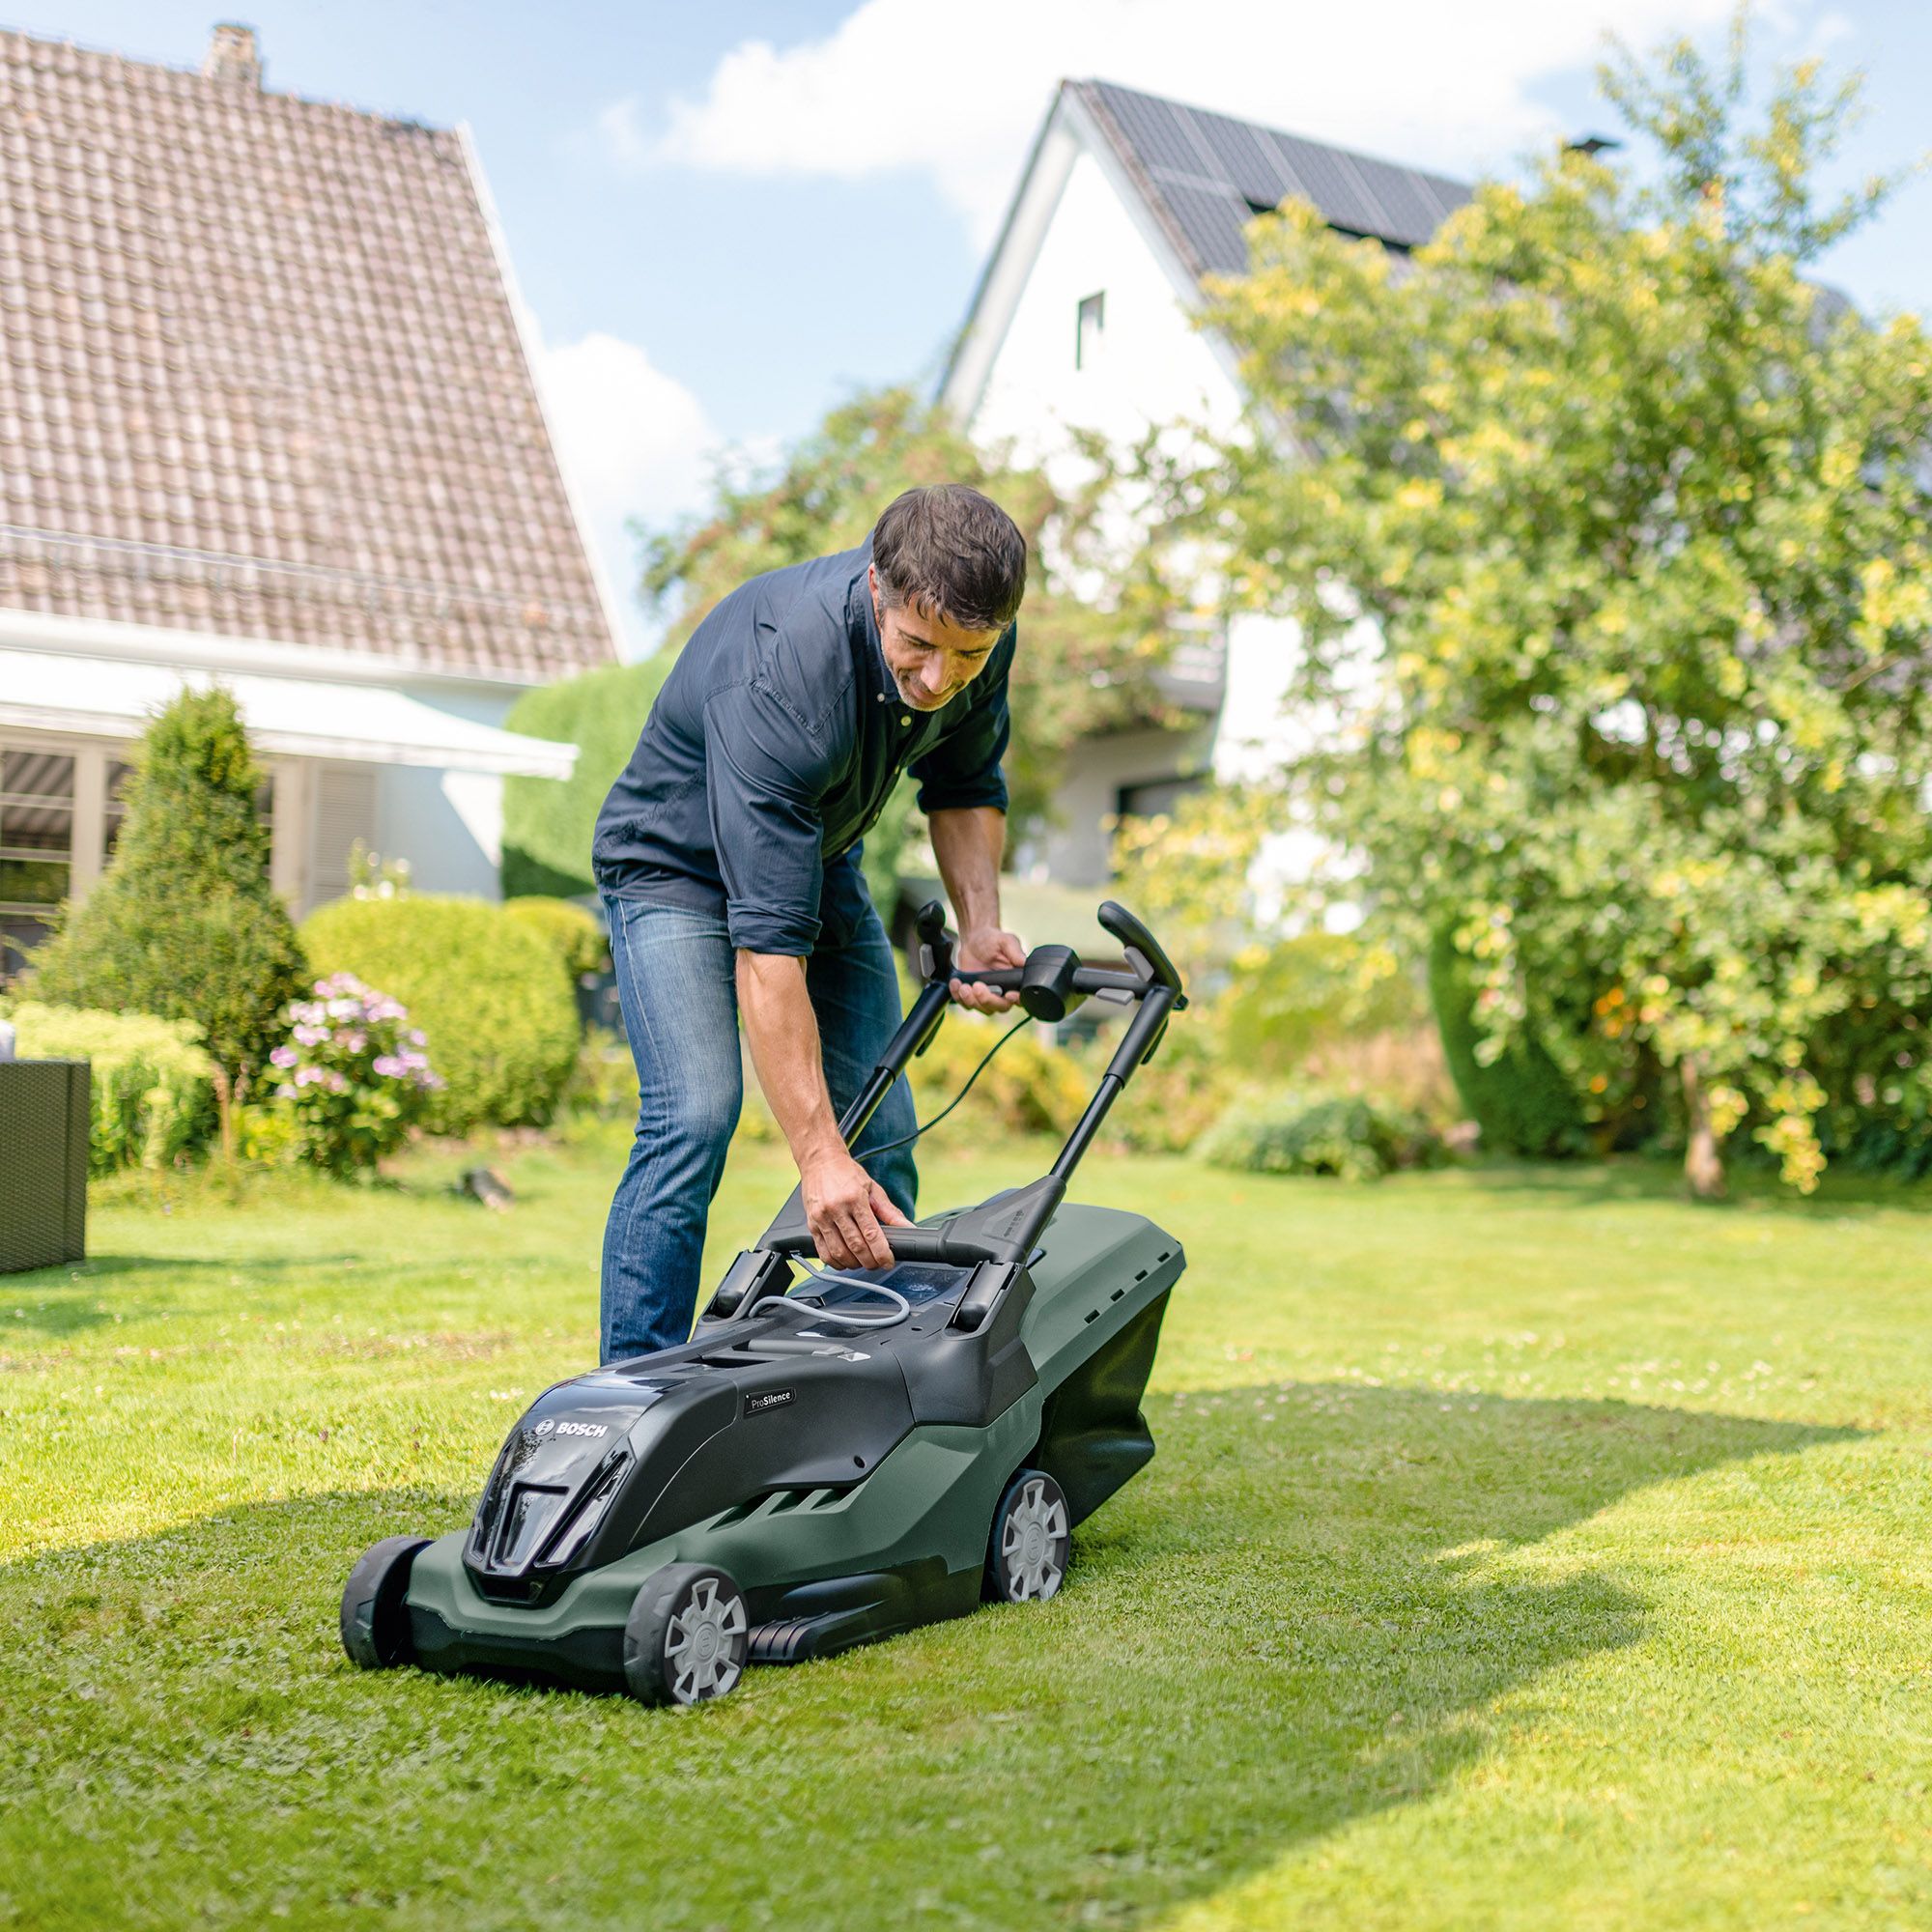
(345, 810)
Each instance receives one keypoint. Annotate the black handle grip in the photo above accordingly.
(934, 960)
(1117, 920)
(909, 1244)
(935, 1244)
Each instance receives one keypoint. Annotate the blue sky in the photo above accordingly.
(725, 218)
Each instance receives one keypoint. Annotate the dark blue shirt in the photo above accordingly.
(772, 748)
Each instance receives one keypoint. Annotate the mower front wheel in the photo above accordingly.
(1031, 1541)
(375, 1605)
(687, 1636)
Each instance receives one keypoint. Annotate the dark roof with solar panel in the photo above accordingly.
(1206, 175)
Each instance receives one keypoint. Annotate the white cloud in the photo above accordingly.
(618, 135)
(902, 84)
(633, 442)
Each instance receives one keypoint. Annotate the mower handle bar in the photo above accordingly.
(909, 1244)
(1049, 982)
(1053, 975)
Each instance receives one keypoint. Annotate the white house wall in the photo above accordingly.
(1153, 366)
(1075, 848)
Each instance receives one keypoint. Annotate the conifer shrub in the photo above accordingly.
(185, 924)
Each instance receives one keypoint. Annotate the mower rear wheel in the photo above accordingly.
(687, 1635)
(375, 1608)
(1031, 1541)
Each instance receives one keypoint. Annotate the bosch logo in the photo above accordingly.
(547, 1426)
(543, 1428)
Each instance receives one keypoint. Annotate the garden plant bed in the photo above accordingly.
(1524, 1547)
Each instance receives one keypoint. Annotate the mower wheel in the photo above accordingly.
(687, 1635)
(1031, 1541)
(375, 1610)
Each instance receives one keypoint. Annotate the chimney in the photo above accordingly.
(231, 55)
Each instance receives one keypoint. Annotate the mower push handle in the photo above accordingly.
(1134, 938)
(909, 1244)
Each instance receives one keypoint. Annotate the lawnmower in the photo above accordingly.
(834, 1455)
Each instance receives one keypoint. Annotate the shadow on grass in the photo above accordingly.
(66, 1299)
(1303, 1613)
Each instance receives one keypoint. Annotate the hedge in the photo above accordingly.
(487, 990)
(1522, 1101)
(571, 932)
(547, 822)
(151, 1083)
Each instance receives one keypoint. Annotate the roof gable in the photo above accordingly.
(263, 376)
(1192, 180)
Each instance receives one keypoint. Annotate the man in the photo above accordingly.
(727, 855)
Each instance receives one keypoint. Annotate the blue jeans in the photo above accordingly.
(676, 983)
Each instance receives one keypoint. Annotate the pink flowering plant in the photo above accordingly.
(353, 1073)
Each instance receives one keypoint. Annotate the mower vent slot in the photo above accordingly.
(1116, 1293)
(1091, 1315)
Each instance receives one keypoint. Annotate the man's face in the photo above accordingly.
(931, 660)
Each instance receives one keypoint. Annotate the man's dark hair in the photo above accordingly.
(954, 551)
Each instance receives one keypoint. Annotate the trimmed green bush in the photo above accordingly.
(1029, 1088)
(1283, 1002)
(571, 930)
(547, 822)
(186, 925)
(1348, 1136)
(1522, 1101)
(153, 1085)
(1174, 1099)
(499, 1017)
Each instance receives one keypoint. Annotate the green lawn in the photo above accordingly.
(1525, 1548)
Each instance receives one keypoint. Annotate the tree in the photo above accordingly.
(184, 923)
(1638, 515)
(1080, 668)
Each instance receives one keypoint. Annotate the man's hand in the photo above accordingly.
(990, 950)
(844, 1207)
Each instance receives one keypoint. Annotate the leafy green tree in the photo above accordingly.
(184, 923)
(1638, 515)
(1080, 668)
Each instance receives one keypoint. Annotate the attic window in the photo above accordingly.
(1089, 324)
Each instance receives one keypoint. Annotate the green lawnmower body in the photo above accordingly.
(828, 1460)
(826, 1568)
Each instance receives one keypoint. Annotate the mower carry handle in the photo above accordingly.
(909, 1244)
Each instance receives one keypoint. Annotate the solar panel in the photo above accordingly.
(1211, 170)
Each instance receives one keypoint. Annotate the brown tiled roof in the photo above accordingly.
(260, 375)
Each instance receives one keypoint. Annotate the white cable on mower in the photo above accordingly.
(826, 1275)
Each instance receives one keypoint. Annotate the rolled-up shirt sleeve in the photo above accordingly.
(964, 769)
(764, 778)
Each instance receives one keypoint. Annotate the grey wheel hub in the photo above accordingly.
(1033, 1543)
(704, 1645)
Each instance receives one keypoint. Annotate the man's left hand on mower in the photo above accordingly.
(989, 950)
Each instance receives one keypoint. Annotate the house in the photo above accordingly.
(268, 416)
(1083, 318)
